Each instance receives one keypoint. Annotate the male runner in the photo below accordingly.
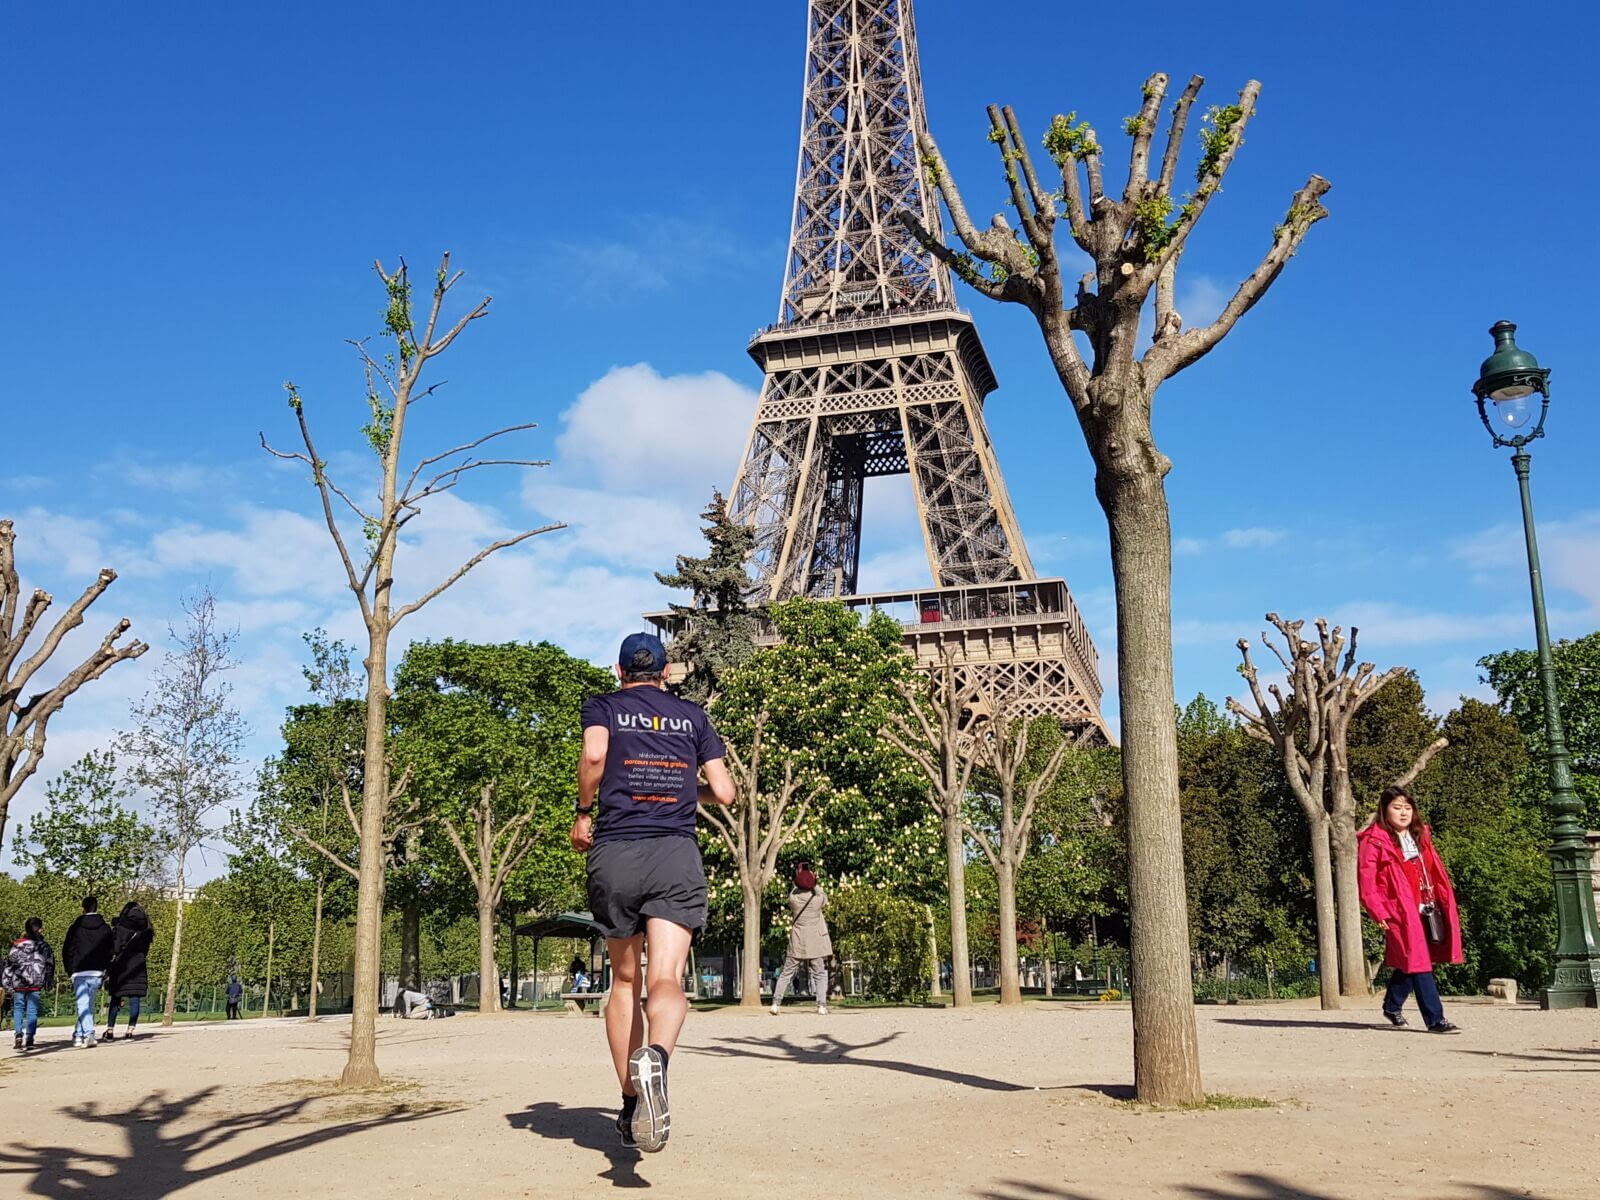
(643, 752)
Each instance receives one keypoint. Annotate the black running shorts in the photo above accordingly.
(631, 880)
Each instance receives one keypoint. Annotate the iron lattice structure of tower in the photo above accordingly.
(871, 370)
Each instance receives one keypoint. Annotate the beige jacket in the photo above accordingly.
(809, 936)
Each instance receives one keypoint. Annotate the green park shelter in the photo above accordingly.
(576, 925)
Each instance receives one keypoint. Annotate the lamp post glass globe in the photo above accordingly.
(1514, 411)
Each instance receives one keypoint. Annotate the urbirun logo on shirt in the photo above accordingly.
(654, 724)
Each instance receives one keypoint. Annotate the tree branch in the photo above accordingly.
(477, 558)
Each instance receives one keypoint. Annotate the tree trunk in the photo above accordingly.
(266, 996)
(316, 952)
(934, 989)
(1006, 881)
(411, 942)
(516, 966)
(1347, 902)
(488, 969)
(170, 1002)
(750, 993)
(1166, 1052)
(361, 1066)
(1327, 938)
(956, 863)
(1049, 963)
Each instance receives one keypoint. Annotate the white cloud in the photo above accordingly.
(1253, 538)
(271, 552)
(1569, 553)
(641, 433)
(1200, 298)
(72, 544)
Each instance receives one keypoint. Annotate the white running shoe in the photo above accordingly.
(647, 1071)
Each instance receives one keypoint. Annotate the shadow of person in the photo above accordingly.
(1287, 1023)
(588, 1129)
(163, 1139)
(828, 1049)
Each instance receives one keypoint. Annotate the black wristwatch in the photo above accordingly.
(582, 811)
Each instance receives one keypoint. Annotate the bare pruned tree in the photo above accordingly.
(491, 852)
(1297, 725)
(938, 731)
(25, 724)
(1004, 836)
(393, 385)
(772, 801)
(1134, 242)
(1327, 687)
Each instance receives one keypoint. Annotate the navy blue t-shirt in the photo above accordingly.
(652, 776)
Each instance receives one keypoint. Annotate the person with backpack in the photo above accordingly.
(30, 968)
(131, 935)
(86, 951)
(809, 942)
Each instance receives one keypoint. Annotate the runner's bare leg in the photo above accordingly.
(666, 1005)
(624, 1016)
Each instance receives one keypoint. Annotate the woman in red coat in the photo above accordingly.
(1400, 873)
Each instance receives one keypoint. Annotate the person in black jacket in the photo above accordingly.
(131, 935)
(86, 954)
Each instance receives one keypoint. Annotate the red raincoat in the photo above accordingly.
(1387, 893)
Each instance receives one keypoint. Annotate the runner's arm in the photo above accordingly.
(718, 787)
(596, 741)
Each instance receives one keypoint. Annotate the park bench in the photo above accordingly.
(575, 1001)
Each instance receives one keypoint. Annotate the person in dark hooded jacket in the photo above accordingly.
(131, 935)
(86, 954)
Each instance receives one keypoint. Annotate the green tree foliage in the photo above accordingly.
(827, 688)
(1244, 847)
(1514, 675)
(1386, 735)
(719, 627)
(1483, 797)
(887, 936)
(491, 737)
(86, 836)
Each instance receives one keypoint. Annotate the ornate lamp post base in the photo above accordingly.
(1576, 983)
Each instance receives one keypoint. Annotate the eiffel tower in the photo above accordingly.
(872, 370)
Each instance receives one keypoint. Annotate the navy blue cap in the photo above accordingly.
(635, 646)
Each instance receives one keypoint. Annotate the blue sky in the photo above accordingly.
(196, 193)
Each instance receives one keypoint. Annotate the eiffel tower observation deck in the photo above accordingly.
(871, 369)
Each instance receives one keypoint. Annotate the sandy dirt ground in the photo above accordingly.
(1026, 1104)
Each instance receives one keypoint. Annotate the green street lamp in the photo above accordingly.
(1511, 386)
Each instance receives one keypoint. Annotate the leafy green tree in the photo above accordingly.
(1078, 862)
(85, 833)
(801, 721)
(1247, 893)
(1514, 675)
(884, 935)
(185, 745)
(719, 628)
(1483, 796)
(491, 737)
(262, 886)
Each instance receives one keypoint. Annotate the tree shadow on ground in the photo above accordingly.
(1114, 1091)
(1578, 1054)
(160, 1158)
(1285, 1023)
(828, 1049)
(1246, 1185)
(588, 1129)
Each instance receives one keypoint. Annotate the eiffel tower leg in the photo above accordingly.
(971, 532)
(779, 491)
